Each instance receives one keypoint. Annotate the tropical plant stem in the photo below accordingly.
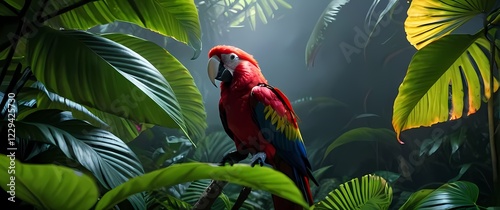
(491, 123)
(13, 43)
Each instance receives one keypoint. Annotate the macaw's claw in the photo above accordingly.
(259, 158)
(232, 158)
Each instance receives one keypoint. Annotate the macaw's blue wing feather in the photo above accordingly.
(278, 124)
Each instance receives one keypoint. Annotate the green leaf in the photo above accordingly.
(102, 74)
(372, 192)
(463, 168)
(40, 184)
(258, 178)
(179, 78)
(172, 203)
(309, 105)
(390, 176)
(318, 35)
(429, 20)
(49, 100)
(175, 18)
(415, 198)
(457, 139)
(107, 157)
(213, 147)
(125, 129)
(193, 192)
(246, 10)
(361, 134)
(423, 97)
(456, 195)
(320, 171)
(389, 7)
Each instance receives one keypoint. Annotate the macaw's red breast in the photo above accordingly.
(246, 133)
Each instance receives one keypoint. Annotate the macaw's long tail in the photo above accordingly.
(302, 182)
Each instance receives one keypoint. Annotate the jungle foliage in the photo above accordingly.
(113, 120)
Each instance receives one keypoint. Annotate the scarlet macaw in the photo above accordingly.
(260, 119)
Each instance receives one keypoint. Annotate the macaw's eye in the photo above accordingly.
(233, 56)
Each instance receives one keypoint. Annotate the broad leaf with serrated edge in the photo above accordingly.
(424, 95)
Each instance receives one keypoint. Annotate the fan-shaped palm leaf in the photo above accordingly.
(429, 20)
(424, 95)
(372, 192)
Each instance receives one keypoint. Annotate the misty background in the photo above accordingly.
(358, 79)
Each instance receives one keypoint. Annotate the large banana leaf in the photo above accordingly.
(429, 20)
(456, 195)
(47, 186)
(175, 18)
(258, 178)
(318, 35)
(125, 129)
(107, 157)
(372, 192)
(424, 97)
(99, 73)
(179, 78)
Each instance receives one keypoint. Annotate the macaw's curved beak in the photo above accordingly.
(217, 71)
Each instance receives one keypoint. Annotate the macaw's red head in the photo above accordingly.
(226, 62)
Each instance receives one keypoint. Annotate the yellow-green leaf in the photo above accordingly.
(429, 20)
(258, 178)
(47, 186)
(425, 96)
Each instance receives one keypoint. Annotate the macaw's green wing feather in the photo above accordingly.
(277, 121)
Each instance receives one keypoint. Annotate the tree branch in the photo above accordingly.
(208, 197)
(241, 198)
